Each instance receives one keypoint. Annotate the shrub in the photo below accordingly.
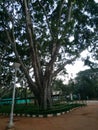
(34, 110)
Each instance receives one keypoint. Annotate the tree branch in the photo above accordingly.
(21, 62)
(46, 18)
(70, 4)
(59, 13)
(63, 65)
(33, 46)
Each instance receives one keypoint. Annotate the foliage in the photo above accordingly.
(37, 34)
(34, 110)
(87, 83)
(65, 89)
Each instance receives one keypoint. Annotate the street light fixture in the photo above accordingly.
(11, 123)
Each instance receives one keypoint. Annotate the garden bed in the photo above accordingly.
(33, 111)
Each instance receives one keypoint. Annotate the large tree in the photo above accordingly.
(45, 36)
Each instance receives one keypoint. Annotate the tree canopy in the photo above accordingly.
(45, 36)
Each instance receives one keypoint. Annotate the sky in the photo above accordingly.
(73, 69)
(96, 1)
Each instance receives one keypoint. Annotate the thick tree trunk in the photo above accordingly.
(44, 99)
(47, 102)
(49, 97)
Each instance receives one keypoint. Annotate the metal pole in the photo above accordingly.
(11, 123)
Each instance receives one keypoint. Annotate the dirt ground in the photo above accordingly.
(85, 118)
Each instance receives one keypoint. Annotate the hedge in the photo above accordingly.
(34, 110)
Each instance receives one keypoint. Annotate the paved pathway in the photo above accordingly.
(85, 118)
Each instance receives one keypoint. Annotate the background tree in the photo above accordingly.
(45, 36)
(87, 84)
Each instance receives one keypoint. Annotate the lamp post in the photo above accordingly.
(11, 123)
